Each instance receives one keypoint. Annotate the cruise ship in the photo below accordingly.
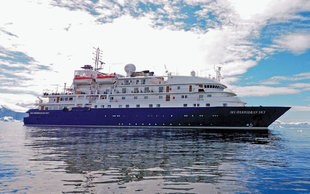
(142, 99)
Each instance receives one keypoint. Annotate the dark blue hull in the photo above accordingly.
(189, 117)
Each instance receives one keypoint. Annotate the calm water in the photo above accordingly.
(93, 160)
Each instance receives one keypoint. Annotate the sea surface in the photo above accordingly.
(120, 160)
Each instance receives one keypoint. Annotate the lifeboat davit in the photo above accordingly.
(82, 79)
(106, 79)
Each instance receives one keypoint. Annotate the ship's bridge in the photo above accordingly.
(193, 80)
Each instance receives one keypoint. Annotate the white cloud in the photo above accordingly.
(275, 80)
(297, 43)
(301, 108)
(263, 90)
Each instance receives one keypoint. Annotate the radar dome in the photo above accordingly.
(129, 69)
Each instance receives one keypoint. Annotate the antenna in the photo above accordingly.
(98, 61)
(218, 73)
(166, 71)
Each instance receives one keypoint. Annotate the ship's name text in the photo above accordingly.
(39, 113)
(247, 112)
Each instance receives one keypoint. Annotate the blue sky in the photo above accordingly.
(263, 46)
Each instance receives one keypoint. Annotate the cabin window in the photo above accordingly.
(143, 81)
(225, 104)
(160, 89)
(70, 98)
(46, 108)
(157, 105)
(167, 88)
(137, 81)
(208, 104)
(194, 105)
(135, 97)
(123, 90)
(61, 99)
(160, 97)
(102, 106)
(190, 89)
(209, 95)
(151, 105)
(185, 105)
(167, 97)
(120, 106)
(182, 96)
(200, 96)
(198, 105)
(146, 97)
(111, 98)
(95, 106)
(123, 97)
(179, 87)
(146, 90)
(66, 99)
(136, 90)
(109, 106)
(138, 105)
(127, 105)
(185, 96)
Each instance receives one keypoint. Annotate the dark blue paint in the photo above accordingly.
(199, 116)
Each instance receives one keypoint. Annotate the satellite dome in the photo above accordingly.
(129, 69)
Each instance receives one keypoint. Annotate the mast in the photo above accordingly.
(97, 59)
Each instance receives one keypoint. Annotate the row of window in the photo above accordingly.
(151, 105)
(160, 97)
(161, 89)
(66, 99)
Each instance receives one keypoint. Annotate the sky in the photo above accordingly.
(263, 46)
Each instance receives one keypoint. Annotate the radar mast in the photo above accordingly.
(98, 60)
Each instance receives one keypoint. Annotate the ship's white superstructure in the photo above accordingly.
(94, 89)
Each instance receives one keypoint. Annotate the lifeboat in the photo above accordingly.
(105, 79)
(78, 79)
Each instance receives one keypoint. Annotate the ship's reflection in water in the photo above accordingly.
(152, 160)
